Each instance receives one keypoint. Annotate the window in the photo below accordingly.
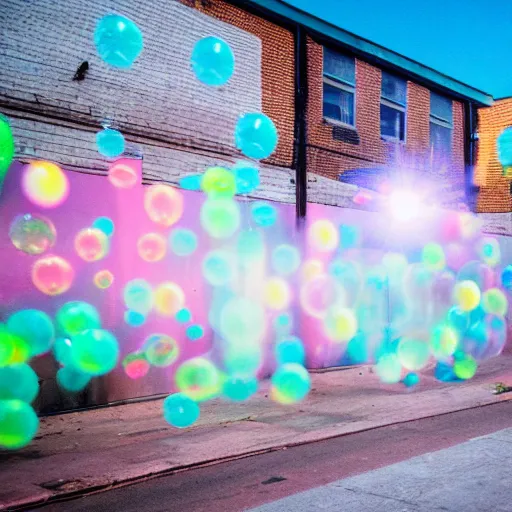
(339, 88)
(393, 102)
(441, 124)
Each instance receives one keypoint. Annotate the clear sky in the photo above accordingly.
(470, 40)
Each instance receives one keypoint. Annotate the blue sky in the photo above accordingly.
(470, 40)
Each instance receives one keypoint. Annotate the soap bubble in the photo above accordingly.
(290, 350)
(52, 275)
(243, 359)
(194, 332)
(465, 368)
(497, 328)
(349, 275)
(110, 143)
(506, 277)
(218, 182)
(458, 319)
(264, 214)
(389, 369)
(94, 352)
(242, 319)
(136, 365)
(466, 295)
(62, 351)
(323, 236)
(180, 411)
(220, 218)
(134, 318)
(13, 349)
(104, 224)
(277, 294)
(74, 317)
(477, 272)
(255, 135)
(433, 257)
(118, 40)
(103, 279)
(122, 175)
(247, 178)
(290, 383)
(138, 296)
(218, 267)
(349, 236)
(183, 242)
(444, 341)
(320, 293)
(35, 328)
(71, 380)
(494, 301)
(183, 316)
(312, 268)
(212, 61)
(250, 246)
(151, 247)
(6, 147)
(91, 244)
(18, 424)
(18, 382)
(283, 323)
(191, 182)
(32, 233)
(198, 379)
(44, 184)
(285, 259)
(340, 324)
(239, 388)
(169, 299)
(411, 380)
(489, 250)
(163, 204)
(161, 350)
(413, 354)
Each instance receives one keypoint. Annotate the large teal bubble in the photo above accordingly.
(285, 259)
(104, 224)
(218, 267)
(71, 380)
(290, 350)
(243, 359)
(183, 242)
(35, 328)
(183, 316)
(194, 332)
(238, 388)
(18, 424)
(18, 382)
(264, 214)
(62, 351)
(255, 135)
(180, 411)
(95, 352)
(138, 296)
(134, 319)
(290, 383)
(247, 178)
(76, 316)
(212, 61)
(110, 143)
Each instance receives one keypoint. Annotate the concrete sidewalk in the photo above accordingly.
(98, 449)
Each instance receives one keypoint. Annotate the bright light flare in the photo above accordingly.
(404, 205)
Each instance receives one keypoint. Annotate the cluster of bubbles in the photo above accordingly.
(440, 309)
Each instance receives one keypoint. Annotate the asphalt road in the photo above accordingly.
(253, 481)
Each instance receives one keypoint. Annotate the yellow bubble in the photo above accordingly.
(277, 294)
(151, 247)
(45, 185)
(323, 236)
(443, 342)
(340, 324)
(169, 299)
(311, 269)
(163, 204)
(466, 295)
(91, 244)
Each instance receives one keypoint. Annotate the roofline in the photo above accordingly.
(373, 50)
(503, 98)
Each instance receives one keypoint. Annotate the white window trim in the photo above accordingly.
(401, 108)
(343, 86)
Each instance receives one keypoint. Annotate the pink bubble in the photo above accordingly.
(91, 244)
(52, 275)
(122, 175)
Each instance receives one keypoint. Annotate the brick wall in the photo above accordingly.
(494, 196)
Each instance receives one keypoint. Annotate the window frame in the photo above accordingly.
(396, 106)
(342, 85)
(440, 121)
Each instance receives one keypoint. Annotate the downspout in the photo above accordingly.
(469, 154)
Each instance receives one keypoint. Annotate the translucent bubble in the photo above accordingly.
(134, 318)
(218, 182)
(457, 255)
(194, 332)
(506, 277)
(94, 352)
(489, 250)
(18, 424)
(349, 275)
(349, 236)
(395, 264)
(183, 242)
(319, 294)
(466, 295)
(242, 319)
(62, 351)
(443, 342)
(290, 350)
(340, 324)
(103, 279)
(433, 257)
(218, 267)
(476, 340)
(138, 296)
(458, 319)
(465, 368)
(311, 269)
(411, 380)
(35, 328)
(477, 272)
(180, 411)
(118, 40)
(110, 143)
(45, 185)
(247, 178)
(243, 359)
(71, 380)
(104, 224)
(250, 246)
(136, 365)
(283, 323)
(418, 282)
(151, 247)
(6, 148)
(263, 214)
(255, 135)
(91, 244)
(161, 350)
(277, 293)
(389, 369)
(212, 61)
(198, 379)
(18, 382)
(495, 302)
(13, 349)
(169, 299)
(74, 317)
(52, 275)
(285, 259)
(183, 316)
(163, 204)
(497, 328)
(220, 218)
(32, 233)
(290, 383)
(323, 236)
(191, 182)
(122, 175)
(413, 354)
(239, 388)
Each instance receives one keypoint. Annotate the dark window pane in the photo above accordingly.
(337, 65)
(338, 104)
(441, 107)
(392, 122)
(394, 88)
(440, 140)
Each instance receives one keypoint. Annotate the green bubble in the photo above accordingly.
(218, 182)
(18, 382)
(220, 218)
(443, 341)
(465, 367)
(75, 317)
(6, 148)
(198, 379)
(35, 328)
(290, 383)
(495, 302)
(18, 424)
(433, 257)
(161, 350)
(71, 380)
(94, 352)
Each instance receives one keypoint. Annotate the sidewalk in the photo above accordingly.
(105, 447)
